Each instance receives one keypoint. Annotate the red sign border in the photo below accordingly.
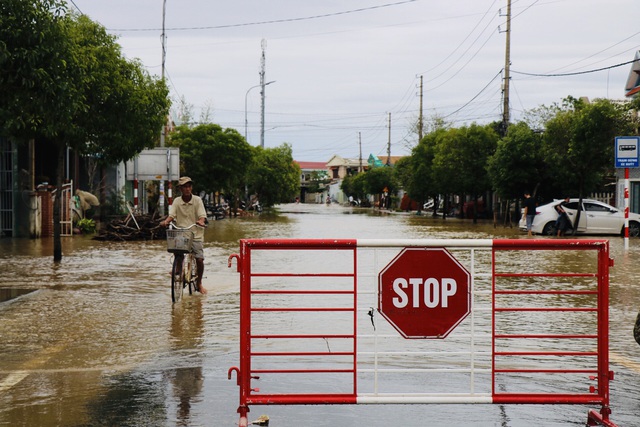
(424, 248)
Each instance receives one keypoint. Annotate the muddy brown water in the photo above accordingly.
(96, 341)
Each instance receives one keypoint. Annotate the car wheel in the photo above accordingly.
(549, 229)
(634, 229)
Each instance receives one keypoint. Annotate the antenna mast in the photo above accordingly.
(262, 85)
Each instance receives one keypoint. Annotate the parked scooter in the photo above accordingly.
(219, 211)
(256, 206)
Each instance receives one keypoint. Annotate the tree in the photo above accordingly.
(578, 143)
(379, 179)
(516, 162)
(33, 63)
(419, 181)
(318, 181)
(66, 81)
(354, 185)
(517, 159)
(215, 158)
(273, 176)
(460, 160)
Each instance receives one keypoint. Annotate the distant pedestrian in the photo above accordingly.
(529, 211)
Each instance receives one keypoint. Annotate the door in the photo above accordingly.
(602, 219)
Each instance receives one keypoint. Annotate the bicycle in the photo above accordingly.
(185, 269)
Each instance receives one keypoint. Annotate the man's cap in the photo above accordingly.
(184, 180)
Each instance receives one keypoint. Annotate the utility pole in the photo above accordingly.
(162, 131)
(389, 143)
(420, 119)
(360, 144)
(507, 64)
(262, 85)
(164, 56)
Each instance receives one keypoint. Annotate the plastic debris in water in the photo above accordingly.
(263, 420)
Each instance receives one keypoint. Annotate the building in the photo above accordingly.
(310, 173)
(631, 90)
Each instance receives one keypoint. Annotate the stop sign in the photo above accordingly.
(424, 292)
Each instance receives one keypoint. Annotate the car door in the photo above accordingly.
(571, 209)
(602, 219)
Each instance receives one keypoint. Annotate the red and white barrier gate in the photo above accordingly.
(424, 321)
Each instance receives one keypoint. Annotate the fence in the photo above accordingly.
(325, 321)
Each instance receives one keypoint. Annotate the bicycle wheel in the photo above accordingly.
(193, 274)
(177, 278)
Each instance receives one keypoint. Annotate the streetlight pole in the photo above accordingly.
(246, 122)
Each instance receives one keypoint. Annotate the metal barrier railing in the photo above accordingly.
(347, 321)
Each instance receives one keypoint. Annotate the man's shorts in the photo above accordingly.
(530, 221)
(197, 248)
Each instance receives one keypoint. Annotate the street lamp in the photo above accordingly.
(245, 105)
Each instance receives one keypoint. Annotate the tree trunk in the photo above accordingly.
(475, 208)
(57, 203)
(445, 206)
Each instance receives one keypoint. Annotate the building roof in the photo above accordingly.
(337, 160)
(311, 165)
(633, 82)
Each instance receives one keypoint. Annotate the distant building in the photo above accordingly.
(632, 88)
(339, 167)
(631, 91)
(306, 175)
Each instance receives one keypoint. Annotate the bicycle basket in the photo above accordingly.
(179, 241)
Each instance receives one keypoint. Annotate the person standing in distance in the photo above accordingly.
(188, 209)
(529, 211)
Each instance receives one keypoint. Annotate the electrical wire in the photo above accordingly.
(576, 72)
(478, 94)
(274, 21)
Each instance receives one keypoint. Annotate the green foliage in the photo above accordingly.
(273, 175)
(215, 158)
(318, 181)
(354, 185)
(517, 165)
(35, 81)
(86, 226)
(578, 143)
(64, 79)
(377, 179)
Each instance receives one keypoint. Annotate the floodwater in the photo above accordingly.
(96, 341)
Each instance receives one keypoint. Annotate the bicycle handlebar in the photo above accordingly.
(172, 225)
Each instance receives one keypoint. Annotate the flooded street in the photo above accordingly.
(99, 343)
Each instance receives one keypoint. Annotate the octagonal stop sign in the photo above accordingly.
(424, 292)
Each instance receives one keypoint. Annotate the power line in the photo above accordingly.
(577, 72)
(76, 6)
(274, 21)
(477, 95)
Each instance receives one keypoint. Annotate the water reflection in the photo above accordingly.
(9, 294)
(187, 338)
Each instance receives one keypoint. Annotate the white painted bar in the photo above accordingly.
(438, 243)
(422, 398)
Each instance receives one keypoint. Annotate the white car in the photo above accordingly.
(596, 218)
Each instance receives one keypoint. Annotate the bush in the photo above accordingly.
(86, 226)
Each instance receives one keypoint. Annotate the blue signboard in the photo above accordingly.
(627, 151)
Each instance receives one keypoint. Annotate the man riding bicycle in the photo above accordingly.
(187, 210)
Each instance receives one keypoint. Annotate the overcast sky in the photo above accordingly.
(342, 68)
